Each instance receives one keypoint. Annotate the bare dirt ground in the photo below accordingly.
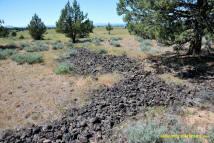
(34, 94)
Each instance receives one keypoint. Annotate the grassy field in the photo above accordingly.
(34, 93)
(19, 84)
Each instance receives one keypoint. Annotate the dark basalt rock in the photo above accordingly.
(109, 106)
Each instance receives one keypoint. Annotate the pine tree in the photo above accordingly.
(109, 28)
(170, 21)
(73, 23)
(36, 28)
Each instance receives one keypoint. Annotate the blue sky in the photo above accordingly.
(20, 12)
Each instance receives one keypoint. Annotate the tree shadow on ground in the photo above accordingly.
(10, 47)
(185, 67)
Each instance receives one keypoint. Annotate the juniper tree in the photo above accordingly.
(4, 32)
(109, 28)
(170, 21)
(36, 28)
(73, 22)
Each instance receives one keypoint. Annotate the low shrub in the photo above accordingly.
(124, 54)
(58, 46)
(102, 51)
(11, 44)
(57, 42)
(21, 37)
(115, 38)
(146, 132)
(27, 58)
(96, 41)
(115, 43)
(36, 48)
(63, 68)
(139, 39)
(5, 53)
(69, 44)
(23, 44)
(72, 52)
(13, 34)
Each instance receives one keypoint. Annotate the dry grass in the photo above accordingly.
(200, 119)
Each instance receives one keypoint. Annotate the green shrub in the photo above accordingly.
(115, 38)
(146, 132)
(57, 42)
(139, 39)
(27, 58)
(69, 44)
(124, 54)
(211, 134)
(102, 51)
(5, 53)
(72, 52)
(21, 37)
(57, 47)
(13, 34)
(11, 44)
(96, 41)
(22, 44)
(2, 56)
(36, 48)
(63, 68)
(115, 43)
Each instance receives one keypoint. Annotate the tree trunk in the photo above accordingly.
(195, 45)
(74, 39)
(109, 33)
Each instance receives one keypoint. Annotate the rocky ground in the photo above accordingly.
(109, 106)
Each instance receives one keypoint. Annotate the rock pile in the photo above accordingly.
(108, 107)
(87, 62)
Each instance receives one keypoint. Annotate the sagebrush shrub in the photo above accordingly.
(27, 58)
(63, 68)
(23, 44)
(36, 48)
(102, 51)
(72, 52)
(116, 38)
(115, 43)
(69, 44)
(57, 47)
(146, 132)
(21, 37)
(5, 53)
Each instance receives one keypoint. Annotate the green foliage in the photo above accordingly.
(146, 133)
(63, 68)
(4, 32)
(102, 51)
(124, 54)
(36, 28)
(27, 58)
(6, 52)
(146, 47)
(58, 46)
(13, 34)
(211, 134)
(23, 44)
(36, 48)
(73, 23)
(72, 52)
(169, 21)
(69, 44)
(96, 41)
(116, 38)
(109, 28)
(114, 43)
(11, 44)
